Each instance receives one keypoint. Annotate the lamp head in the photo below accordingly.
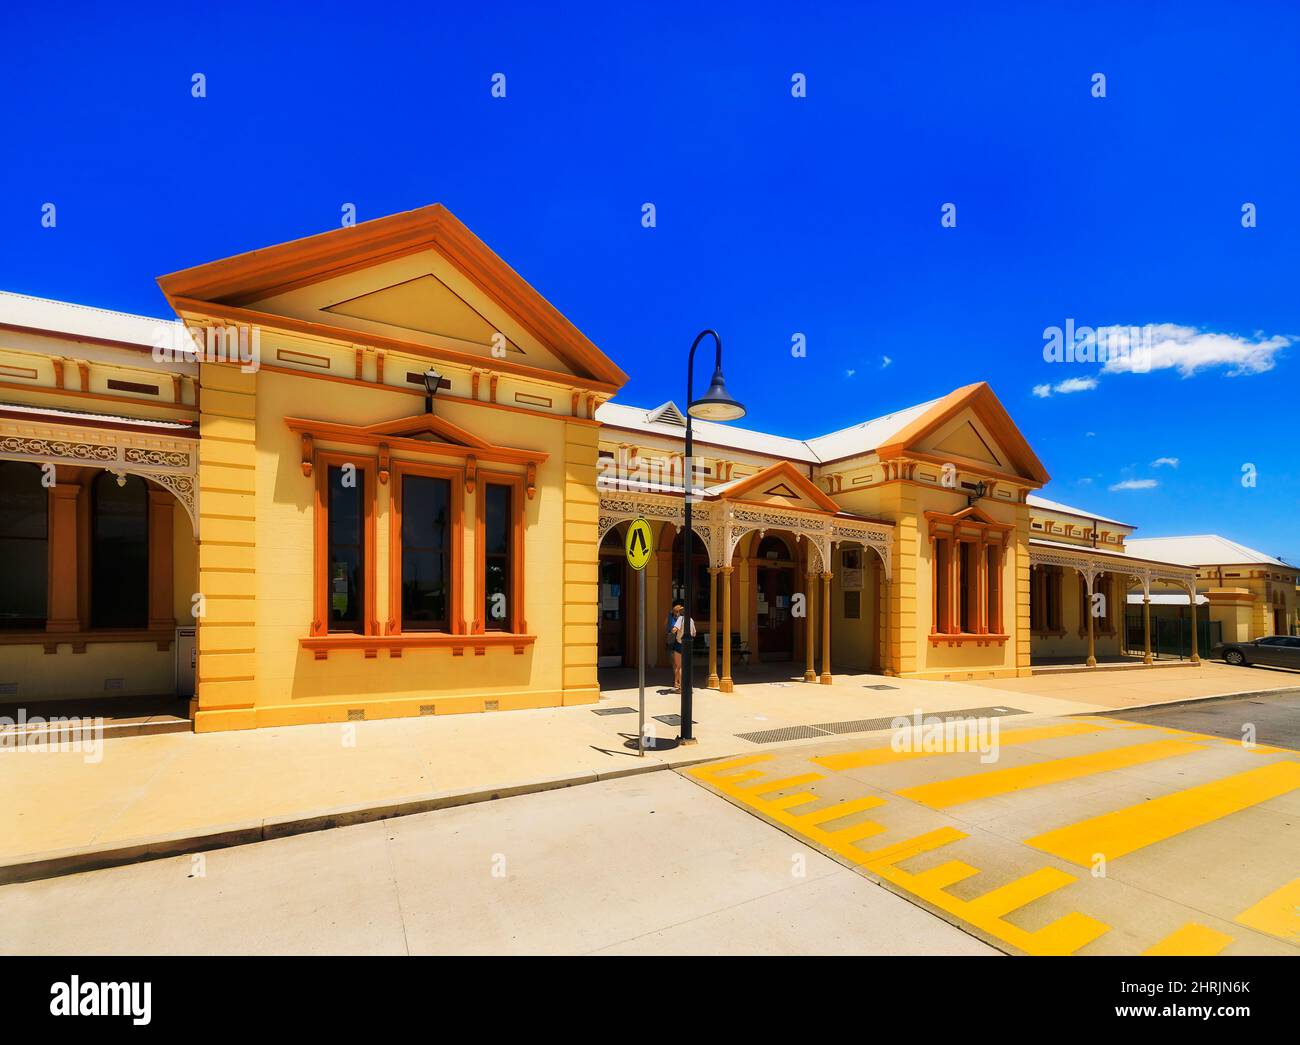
(716, 404)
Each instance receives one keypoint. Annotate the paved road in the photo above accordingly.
(1275, 718)
(1083, 835)
(645, 864)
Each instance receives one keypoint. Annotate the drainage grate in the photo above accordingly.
(673, 720)
(996, 712)
(880, 687)
(858, 725)
(613, 711)
(775, 736)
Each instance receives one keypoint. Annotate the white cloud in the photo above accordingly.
(1070, 384)
(885, 361)
(1135, 484)
(1166, 346)
(1165, 462)
(849, 373)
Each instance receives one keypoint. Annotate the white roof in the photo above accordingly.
(54, 413)
(21, 310)
(1107, 553)
(1064, 509)
(1206, 549)
(847, 442)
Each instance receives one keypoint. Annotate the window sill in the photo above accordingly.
(967, 639)
(78, 640)
(323, 645)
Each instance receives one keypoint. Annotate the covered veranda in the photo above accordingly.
(1090, 565)
(722, 518)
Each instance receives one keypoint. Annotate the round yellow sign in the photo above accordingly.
(640, 544)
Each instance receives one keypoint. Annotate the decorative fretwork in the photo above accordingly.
(1090, 566)
(170, 461)
(721, 525)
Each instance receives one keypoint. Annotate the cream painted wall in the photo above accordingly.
(290, 677)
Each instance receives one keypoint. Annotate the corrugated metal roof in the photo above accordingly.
(72, 416)
(1035, 501)
(847, 442)
(1206, 549)
(64, 317)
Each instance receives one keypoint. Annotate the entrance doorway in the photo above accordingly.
(775, 580)
(612, 651)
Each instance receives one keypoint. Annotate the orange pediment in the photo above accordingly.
(780, 484)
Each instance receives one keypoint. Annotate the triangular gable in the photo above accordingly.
(1004, 441)
(431, 426)
(668, 414)
(426, 305)
(426, 433)
(224, 288)
(782, 484)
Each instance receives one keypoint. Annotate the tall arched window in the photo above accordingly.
(24, 546)
(119, 552)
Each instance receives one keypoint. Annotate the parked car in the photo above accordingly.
(1278, 651)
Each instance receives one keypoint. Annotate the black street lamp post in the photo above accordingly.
(715, 405)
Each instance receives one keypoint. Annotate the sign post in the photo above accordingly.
(639, 547)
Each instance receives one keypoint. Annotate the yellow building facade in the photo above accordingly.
(374, 474)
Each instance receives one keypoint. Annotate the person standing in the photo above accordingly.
(678, 629)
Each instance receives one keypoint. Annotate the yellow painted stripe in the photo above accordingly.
(1278, 914)
(767, 787)
(839, 809)
(1191, 939)
(1126, 830)
(790, 801)
(714, 769)
(877, 756)
(943, 793)
(1014, 895)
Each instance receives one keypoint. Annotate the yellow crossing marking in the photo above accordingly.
(877, 756)
(943, 793)
(1065, 935)
(1191, 939)
(1278, 914)
(715, 769)
(769, 786)
(1126, 830)
(856, 805)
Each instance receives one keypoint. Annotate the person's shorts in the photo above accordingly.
(677, 647)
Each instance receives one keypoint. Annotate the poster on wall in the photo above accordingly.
(851, 569)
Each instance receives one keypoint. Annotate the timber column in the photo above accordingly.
(826, 629)
(725, 685)
(713, 628)
(1146, 627)
(810, 629)
(226, 679)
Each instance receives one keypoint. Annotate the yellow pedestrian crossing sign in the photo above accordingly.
(640, 544)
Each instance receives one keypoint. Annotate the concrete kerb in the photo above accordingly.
(90, 858)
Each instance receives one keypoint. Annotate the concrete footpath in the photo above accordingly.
(152, 796)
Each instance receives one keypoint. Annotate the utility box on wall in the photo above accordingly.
(186, 659)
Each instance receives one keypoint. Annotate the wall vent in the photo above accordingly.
(356, 714)
(426, 709)
(113, 684)
(491, 705)
(8, 689)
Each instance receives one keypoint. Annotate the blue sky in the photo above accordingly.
(775, 215)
